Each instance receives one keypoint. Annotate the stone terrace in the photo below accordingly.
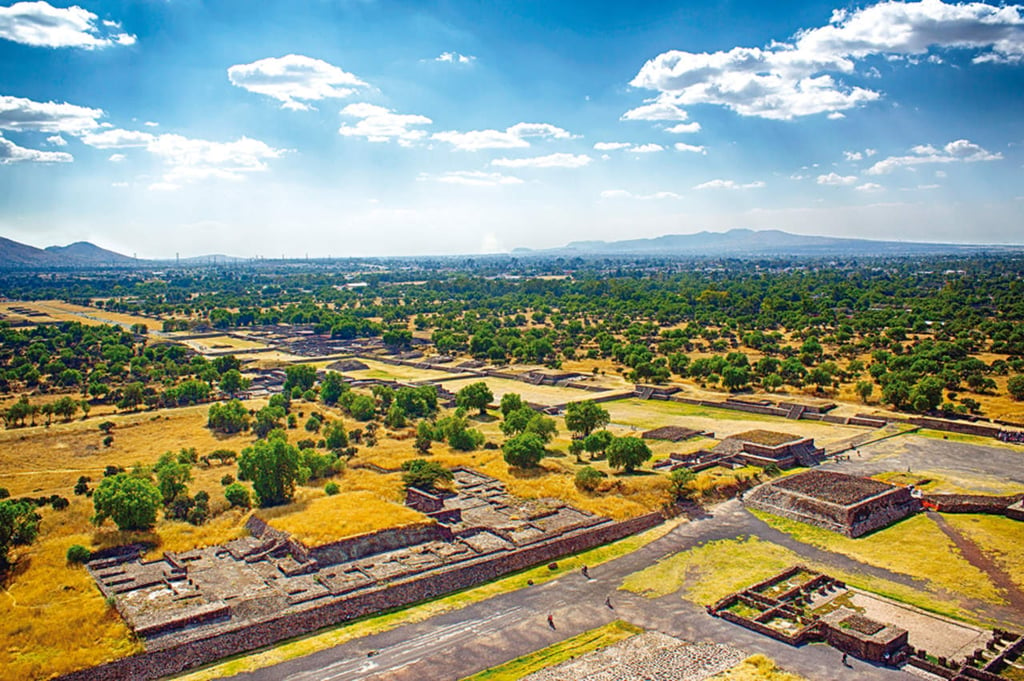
(192, 595)
(836, 488)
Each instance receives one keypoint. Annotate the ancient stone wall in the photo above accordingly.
(377, 542)
(174, 659)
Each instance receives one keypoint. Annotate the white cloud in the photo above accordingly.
(454, 58)
(623, 194)
(57, 141)
(957, 151)
(116, 138)
(549, 161)
(12, 153)
(853, 155)
(20, 114)
(612, 146)
(728, 184)
(627, 146)
(510, 138)
(379, 124)
(646, 148)
(294, 77)
(151, 124)
(684, 128)
(836, 116)
(697, 149)
(661, 108)
(837, 180)
(117, 158)
(473, 178)
(40, 24)
(790, 79)
(869, 187)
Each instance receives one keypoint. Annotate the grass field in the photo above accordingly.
(398, 372)
(1000, 538)
(914, 546)
(94, 315)
(322, 519)
(539, 394)
(581, 644)
(215, 343)
(939, 482)
(646, 414)
(713, 570)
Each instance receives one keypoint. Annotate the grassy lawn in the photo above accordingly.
(581, 644)
(757, 668)
(322, 520)
(999, 537)
(713, 570)
(968, 439)
(915, 547)
(376, 624)
(937, 482)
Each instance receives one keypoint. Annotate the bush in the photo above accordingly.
(331, 489)
(588, 478)
(108, 440)
(227, 480)
(78, 554)
(59, 503)
(237, 495)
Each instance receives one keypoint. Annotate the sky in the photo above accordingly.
(336, 128)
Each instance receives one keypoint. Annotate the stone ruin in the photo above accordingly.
(846, 504)
(750, 448)
(475, 533)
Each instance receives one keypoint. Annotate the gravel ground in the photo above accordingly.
(651, 656)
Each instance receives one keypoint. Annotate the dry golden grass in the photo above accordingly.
(998, 537)
(540, 394)
(757, 668)
(951, 482)
(93, 315)
(214, 343)
(316, 520)
(399, 372)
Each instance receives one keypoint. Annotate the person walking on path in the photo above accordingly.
(551, 621)
(845, 663)
(608, 602)
(586, 572)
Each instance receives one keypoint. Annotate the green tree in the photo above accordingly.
(301, 376)
(129, 500)
(597, 442)
(628, 453)
(864, 389)
(230, 417)
(772, 382)
(511, 402)
(232, 382)
(1015, 386)
(395, 417)
(475, 396)
(172, 476)
(524, 450)
(363, 408)
(273, 467)
(332, 387)
(424, 437)
(19, 525)
(335, 436)
(735, 377)
(585, 417)
(423, 474)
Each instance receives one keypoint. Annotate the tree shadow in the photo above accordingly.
(484, 418)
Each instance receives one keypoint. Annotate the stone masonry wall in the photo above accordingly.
(168, 661)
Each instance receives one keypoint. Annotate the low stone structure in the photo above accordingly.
(194, 607)
(767, 447)
(842, 503)
(674, 433)
(799, 606)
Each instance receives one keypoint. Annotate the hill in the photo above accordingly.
(86, 253)
(748, 242)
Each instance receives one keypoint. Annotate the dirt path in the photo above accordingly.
(976, 557)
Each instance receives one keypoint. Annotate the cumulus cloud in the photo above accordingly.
(784, 80)
(612, 146)
(20, 114)
(837, 180)
(549, 161)
(694, 148)
(628, 146)
(646, 148)
(12, 153)
(40, 24)
(623, 194)
(454, 58)
(57, 141)
(294, 79)
(869, 187)
(684, 128)
(189, 159)
(379, 124)
(728, 184)
(117, 158)
(661, 108)
(514, 137)
(473, 178)
(958, 151)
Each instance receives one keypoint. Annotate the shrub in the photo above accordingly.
(588, 478)
(237, 495)
(227, 479)
(78, 554)
(331, 489)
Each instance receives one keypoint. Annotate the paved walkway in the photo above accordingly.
(460, 643)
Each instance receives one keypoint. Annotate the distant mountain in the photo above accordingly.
(14, 254)
(87, 253)
(748, 242)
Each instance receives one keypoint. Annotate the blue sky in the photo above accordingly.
(369, 127)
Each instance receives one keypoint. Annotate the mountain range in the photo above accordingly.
(734, 243)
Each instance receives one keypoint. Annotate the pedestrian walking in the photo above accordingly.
(551, 621)
(844, 661)
(608, 602)
(586, 572)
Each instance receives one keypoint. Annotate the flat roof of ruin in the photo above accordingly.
(836, 488)
(768, 438)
